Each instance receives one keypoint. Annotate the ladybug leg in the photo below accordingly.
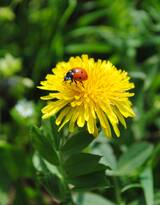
(71, 81)
(75, 82)
(81, 83)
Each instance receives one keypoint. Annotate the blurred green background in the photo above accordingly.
(35, 35)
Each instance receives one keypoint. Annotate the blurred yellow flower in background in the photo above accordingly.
(102, 98)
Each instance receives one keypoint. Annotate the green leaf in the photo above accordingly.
(14, 162)
(68, 12)
(82, 163)
(89, 181)
(136, 202)
(49, 176)
(105, 150)
(91, 199)
(154, 160)
(5, 183)
(51, 131)
(147, 185)
(87, 48)
(42, 165)
(133, 159)
(4, 197)
(91, 16)
(130, 186)
(81, 31)
(6, 13)
(44, 146)
(157, 197)
(57, 45)
(77, 142)
(54, 186)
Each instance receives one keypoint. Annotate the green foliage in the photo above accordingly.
(147, 185)
(90, 198)
(41, 142)
(133, 159)
(54, 186)
(35, 35)
(87, 163)
(67, 166)
(76, 144)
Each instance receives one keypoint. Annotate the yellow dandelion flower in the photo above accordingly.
(103, 97)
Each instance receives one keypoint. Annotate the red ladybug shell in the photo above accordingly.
(79, 74)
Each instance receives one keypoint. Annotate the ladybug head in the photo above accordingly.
(68, 76)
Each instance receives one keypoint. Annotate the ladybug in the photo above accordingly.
(76, 74)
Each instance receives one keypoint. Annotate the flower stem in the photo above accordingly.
(117, 192)
(67, 192)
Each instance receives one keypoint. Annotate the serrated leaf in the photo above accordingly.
(133, 159)
(54, 186)
(89, 181)
(42, 165)
(82, 163)
(77, 142)
(44, 146)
